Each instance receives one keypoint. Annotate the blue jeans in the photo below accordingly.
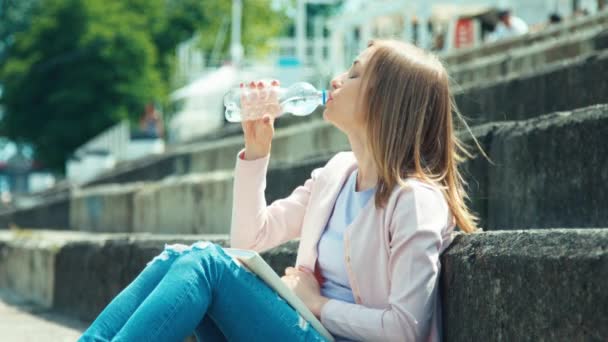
(198, 289)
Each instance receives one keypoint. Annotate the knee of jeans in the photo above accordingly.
(178, 250)
(200, 256)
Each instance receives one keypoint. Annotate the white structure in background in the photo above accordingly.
(106, 150)
(359, 20)
(197, 108)
(191, 61)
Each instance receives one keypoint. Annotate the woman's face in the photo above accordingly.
(344, 107)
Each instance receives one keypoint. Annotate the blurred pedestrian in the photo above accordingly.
(555, 18)
(151, 123)
(508, 26)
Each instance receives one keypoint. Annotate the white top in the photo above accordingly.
(518, 27)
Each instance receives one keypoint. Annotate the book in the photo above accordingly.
(256, 264)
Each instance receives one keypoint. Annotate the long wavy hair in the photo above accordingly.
(408, 108)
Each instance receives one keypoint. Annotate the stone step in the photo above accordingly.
(513, 284)
(528, 186)
(547, 172)
(565, 28)
(52, 214)
(563, 85)
(526, 285)
(529, 58)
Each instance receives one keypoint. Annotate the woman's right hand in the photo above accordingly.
(260, 101)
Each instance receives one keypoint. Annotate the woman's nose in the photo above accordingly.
(335, 83)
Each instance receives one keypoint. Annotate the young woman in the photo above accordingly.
(372, 224)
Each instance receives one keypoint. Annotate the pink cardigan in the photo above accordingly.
(391, 254)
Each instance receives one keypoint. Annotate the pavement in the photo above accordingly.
(22, 321)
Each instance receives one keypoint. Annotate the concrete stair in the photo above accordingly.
(547, 171)
(529, 58)
(559, 154)
(510, 285)
(566, 28)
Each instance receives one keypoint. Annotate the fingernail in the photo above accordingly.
(260, 85)
(275, 83)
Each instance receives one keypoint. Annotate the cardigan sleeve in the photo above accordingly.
(416, 226)
(255, 225)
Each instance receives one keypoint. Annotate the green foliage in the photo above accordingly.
(78, 69)
(14, 17)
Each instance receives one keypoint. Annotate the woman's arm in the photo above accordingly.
(256, 226)
(417, 224)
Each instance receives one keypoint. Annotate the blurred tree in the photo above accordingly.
(83, 65)
(80, 68)
(171, 22)
(14, 17)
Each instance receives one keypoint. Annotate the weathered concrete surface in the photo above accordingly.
(527, 59)
(555, 31)
(536, 285)
(532, 285)
(104, 207)
(191, 204)
(202, 203)
(551, 171)
(23, 321)
(54, 214)
(545, 172)
(542, 174)
(565, 85)
(150, 168)
(89, 273)
(27, 263)
(82, 271)
(475, 170)
(290, 144)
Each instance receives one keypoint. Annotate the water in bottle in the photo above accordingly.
(299, 99)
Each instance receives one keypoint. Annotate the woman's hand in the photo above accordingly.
(259, 107)
(303, 282)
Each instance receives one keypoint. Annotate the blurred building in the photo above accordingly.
(197, 108)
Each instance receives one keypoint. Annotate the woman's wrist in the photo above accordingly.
(252, 154)
(318, 306)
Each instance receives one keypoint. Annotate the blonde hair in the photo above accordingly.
(408, 109)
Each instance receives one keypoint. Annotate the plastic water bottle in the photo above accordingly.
(299, 99)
